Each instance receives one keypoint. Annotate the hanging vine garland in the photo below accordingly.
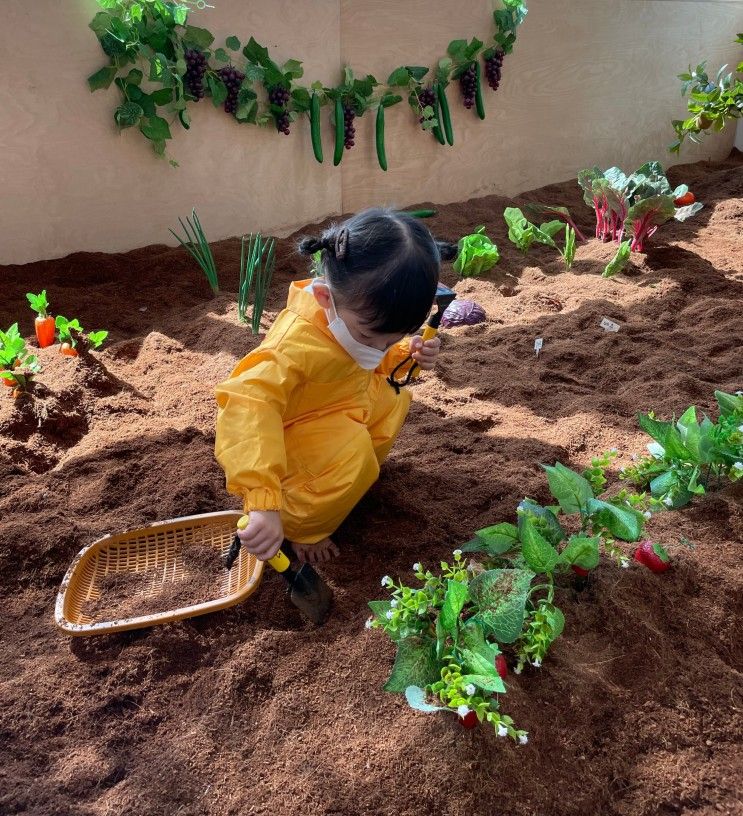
(181, 60)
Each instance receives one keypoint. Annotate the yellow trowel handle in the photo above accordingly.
(279, 562)
(428, 334)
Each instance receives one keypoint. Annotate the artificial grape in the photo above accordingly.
(493, 69)
(232, 79)
(196, 66)
(349, 130)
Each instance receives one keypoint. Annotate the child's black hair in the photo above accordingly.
(384, 265)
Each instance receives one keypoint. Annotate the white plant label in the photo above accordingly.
(538, 343)
(609, 325)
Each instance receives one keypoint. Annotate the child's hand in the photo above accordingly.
(264, 534)
(425, 354)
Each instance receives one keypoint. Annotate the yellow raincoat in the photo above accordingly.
(301, 427)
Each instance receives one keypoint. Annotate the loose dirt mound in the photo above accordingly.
(636, 711)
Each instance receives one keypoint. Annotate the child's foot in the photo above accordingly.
(313, 553)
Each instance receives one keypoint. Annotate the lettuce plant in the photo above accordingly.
(687, 457)
(634, 205)
(451, 629)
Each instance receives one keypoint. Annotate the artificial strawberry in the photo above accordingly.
(653, 556)
(580, 571)
(501, 666)
(469, 720)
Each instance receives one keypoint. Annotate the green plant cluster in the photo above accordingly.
(688, 457)
(450, 630)
(146, 41)
(17, 364)
(711, 104)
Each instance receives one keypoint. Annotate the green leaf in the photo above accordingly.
(134, 77)
(293, 68)
(103, 78)
(162, 96)
(571, 490)
(456, 49)
(545, 520)
(623, 523)
(220, 55)
(416, 697)
(500, 597)
(472, 637)
(257, 53)
(729, 403)
(399, 77)
(667, 435)
(233, 43)
(476, 254)
(380, 609)
(155, 128)
(218, 90)
(198, 38)
(582, 551)
(619, 261)
(494, 540)
(538, 553)
(100, 24)
(416, 71)
(96, 338)
(180, 15)
(487, 682)
(551, 228)
(456, 596)
(128, 115)
(415, 665)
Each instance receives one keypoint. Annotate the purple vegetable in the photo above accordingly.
(462, 313)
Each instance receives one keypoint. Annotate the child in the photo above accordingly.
(306, 419)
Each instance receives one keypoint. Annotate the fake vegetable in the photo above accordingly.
(315, 126)
(17, 366)
(619, 261)
(462, 313)
(501, 666)
(70, 331)
(44, 323)
(198, 247)
(523, 233)
(653, 556)
(477, 253)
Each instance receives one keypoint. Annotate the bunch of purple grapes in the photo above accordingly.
(426, 98)
(468, 85)
(195, 69)
(278, 95)
(493, 69)
(350, 130)
(232, 78)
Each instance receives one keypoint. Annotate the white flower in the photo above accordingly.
(463, 710)
(738, 466)
(523, 739)
(613, 450)
(417, 567)
(457, 553)
(386, 580)
(470, 690)
(393, 603)
(368, 624)
(537, 662)
(647, 514)
(388, 614)
(517, 669)
(502, 730)
(624, 563)
(740, 428)
(668, 501)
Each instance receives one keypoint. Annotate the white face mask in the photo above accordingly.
(366, 356)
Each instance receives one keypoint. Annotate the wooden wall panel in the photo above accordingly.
(591, 81)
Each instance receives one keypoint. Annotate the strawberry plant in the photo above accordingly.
(711, 104)
(688, 457)
(652, 556)
(44, 323)
(451, 630)
(635, 205)
(71, 333)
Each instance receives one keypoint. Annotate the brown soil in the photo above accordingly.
(637, 710)
(131, 594)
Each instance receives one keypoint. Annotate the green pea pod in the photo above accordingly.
(437, 131)
(340, 132)
(479, 106)
(381, 155)
(445, 115)
(315, 127)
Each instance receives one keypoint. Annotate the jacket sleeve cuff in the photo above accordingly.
(262, 499)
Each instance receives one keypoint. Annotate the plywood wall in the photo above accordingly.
(590, 82)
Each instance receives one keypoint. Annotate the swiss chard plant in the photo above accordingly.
(523, 233)
(450, 631)
(633, 206)
(711, 104)
(688, 457)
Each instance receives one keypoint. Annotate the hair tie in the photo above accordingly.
(341, 243)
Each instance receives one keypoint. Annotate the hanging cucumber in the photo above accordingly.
(445, 115)
(315, 127)
(420, 213)
(381, 155)
(437, 129)
(340, 132)
(479, 106)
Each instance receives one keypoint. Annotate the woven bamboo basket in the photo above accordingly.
(157, 553)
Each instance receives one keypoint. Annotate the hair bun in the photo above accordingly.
(309, 246)
(447, 250)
